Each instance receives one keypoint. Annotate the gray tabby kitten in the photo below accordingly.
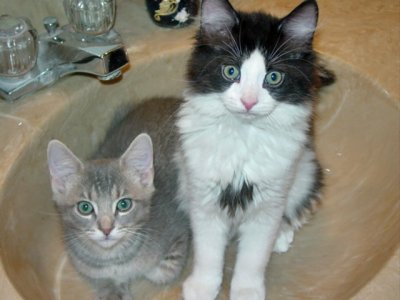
(118, 223)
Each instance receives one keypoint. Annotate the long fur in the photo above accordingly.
(246, 156)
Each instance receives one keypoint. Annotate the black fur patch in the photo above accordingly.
(308, 204)
(234, 199)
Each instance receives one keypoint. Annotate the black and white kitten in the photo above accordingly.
(246, 158)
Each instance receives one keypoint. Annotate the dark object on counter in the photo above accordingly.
(172, 13)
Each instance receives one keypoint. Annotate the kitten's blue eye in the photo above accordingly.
(124, 204)
(85, 208)
(274, 78)
(230, 73)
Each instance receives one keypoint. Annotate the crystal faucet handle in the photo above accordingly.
(51, 24)
(93, 17)
(18, 46)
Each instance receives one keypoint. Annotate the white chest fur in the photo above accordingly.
(221, 148)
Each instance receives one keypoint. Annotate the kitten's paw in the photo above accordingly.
(248, 293)
(245, 287)
(284, 241)
(196, 288)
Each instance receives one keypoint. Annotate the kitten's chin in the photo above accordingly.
(107, 243)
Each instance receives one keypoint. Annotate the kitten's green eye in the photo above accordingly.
(230, 73)
(274, 78)
(85, 208)
(124, 205)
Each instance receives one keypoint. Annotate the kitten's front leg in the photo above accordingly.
(210, 235)
(257, 237)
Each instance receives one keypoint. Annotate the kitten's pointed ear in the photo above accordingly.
(217, 17)
(138, 159)
(299, 26)
(63, 166)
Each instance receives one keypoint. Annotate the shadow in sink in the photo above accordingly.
(337, 253)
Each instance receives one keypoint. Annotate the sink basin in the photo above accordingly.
(344, 246)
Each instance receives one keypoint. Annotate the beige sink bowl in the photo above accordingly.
(350, 248)
(341, 250)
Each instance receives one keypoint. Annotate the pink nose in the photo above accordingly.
(107, 230)
(106, 225)
(249, 103)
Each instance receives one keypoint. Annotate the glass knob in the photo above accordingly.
(51, 24)
(18, 46)
(90, 16)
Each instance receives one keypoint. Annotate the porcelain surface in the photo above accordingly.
(348, 251)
